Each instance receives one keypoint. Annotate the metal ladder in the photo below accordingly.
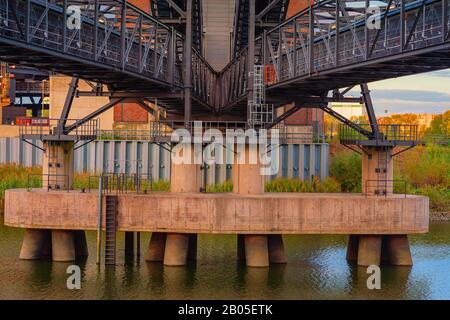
(111, 229)
(382, 172)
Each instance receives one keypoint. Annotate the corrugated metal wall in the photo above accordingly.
(296, 160)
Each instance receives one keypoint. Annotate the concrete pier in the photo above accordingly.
(369, 250)
(256, 250)
(176, 250)
(156, 247)
(398, 251)
(63, 245)
(33, 244)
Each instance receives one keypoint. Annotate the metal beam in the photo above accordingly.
(68, 103)
(92, 115)
(178, 9)
(370, 111)
(266, 9)
(250, 55)
(188, 64)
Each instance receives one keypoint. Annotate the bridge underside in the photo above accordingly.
(116, 79)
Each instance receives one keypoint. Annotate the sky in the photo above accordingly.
(422, 93)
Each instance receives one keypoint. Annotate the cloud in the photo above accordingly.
(411, 95)
(409, 101)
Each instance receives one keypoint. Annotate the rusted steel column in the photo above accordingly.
(81, 248)
(352, 247)
(192, 247)
(276, 249)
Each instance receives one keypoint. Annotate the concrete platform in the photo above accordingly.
(268, 213)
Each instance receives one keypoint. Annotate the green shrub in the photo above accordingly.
(296, 185)
(227, 186)
(345, 167)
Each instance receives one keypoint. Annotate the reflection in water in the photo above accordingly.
(316, 269)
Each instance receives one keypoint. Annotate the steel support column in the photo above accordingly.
(188, 64)
(68, 103)
(251, 55)
(369, 108)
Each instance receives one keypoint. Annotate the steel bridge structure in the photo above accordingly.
(311, 58)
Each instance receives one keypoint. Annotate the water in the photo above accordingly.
(317, 269)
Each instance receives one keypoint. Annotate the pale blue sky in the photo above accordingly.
(426, 92)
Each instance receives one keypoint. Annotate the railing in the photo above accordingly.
(45, 128)
(388, 132)
(313, 40)
(166, 128)
(50, 181)
(122, 183)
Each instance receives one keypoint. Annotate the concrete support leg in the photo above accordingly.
(241, 247)
(256, 250)
(33, 244)
(352, 248)
(276, 249)
(176, 251)
(192, 247)
(369, 250)
(398, 251)
(81, 248)
(156, 247)
(63, 245)
(129, 244)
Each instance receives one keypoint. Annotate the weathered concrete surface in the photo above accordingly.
(269, 213)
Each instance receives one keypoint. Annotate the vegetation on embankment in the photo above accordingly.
(424, 169)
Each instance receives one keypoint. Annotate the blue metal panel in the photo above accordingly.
(284, 160)
(306, 161)
(295, 160)
(317, 160)
(162, 164)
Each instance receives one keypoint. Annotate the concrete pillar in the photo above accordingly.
(352, 248)
(176, 251)
(369, 250)
(377, 171)
(192, 247)
(247, 178)
(398, 251)
(241, 247)
(33, 244)
(276, 249)
(57, 165)
(63, 245)
(156, 247)
(129, 244)
(81, 248)
(256, 250)
(185, 177)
